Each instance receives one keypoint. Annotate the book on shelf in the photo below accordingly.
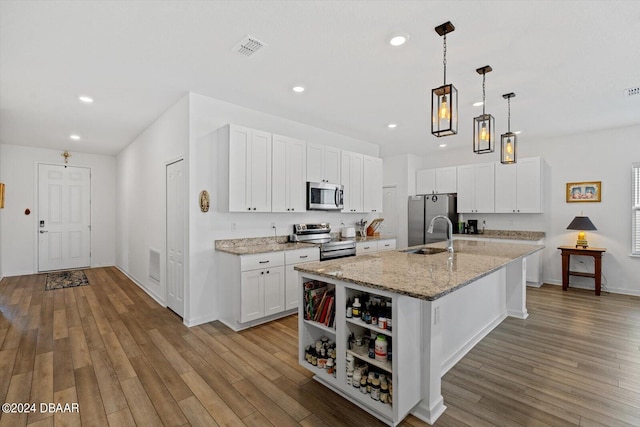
(318, 302)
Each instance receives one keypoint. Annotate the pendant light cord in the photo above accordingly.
(509, 115)
(484, 74)
(444, 56)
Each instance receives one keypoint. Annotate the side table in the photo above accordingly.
(596, 253)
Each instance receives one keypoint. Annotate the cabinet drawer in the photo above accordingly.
(366, 247)
(301, 255)
(254, 262)
(386, 245)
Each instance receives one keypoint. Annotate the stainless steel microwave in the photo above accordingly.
(323, 196)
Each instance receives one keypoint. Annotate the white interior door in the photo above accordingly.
(64, 225)
(390, 207)
(175, 237)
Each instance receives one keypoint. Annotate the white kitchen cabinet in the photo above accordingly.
(323, 163)
(375, 245)
(476, 193)
(293, 258)
(372, 184)
(252, 288)
(437, 181)
(352, 174)
(289, 166)
(518, 187)
(245, 159)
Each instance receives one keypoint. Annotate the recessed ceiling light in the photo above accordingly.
(478, 104)
(443, 145)
(74, 136)
(398, 39)
(85, 99)
(392, 125)
(298, 89)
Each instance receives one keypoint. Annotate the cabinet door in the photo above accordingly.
(279, 176)
(239, 168)
(506, 183)
(372, 184)
(352, 171)
(426, 181)
(445, 180)
(273, 290)
(260, 171)
(386, 245)
(484, 188)
(366, 247)
(529, 192)
(315, 160)
(331, 165)
(291, 288)
(466, 189)
(296, 175)
(251, 295)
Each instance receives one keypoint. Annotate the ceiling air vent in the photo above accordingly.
(633, 91)
(248, 46)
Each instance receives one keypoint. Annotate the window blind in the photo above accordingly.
(635, 208)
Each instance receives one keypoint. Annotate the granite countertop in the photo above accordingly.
(259, 245)
(507, 235)
(427, 277)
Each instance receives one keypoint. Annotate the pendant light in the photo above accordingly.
(483, 125)
(444, 99)
(508, 140)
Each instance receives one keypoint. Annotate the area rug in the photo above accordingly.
(66, 279)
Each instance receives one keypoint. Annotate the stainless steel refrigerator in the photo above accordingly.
(422, 209)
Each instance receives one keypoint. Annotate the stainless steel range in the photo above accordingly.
(330, 248)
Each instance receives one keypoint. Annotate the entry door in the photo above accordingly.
(175, 237)
(64, 223)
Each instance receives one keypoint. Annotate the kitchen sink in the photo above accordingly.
(426, 251)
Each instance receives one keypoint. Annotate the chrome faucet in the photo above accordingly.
(450, 241)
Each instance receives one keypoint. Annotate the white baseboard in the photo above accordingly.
(149, 292)
(199, 321)
(602, 289)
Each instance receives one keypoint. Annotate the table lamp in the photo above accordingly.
(581, 223)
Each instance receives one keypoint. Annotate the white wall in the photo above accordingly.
(594, 156)
(401, 171)
(18, 245)
(141, 204)
(188, 129)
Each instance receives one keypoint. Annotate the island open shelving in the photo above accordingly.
(404, 368)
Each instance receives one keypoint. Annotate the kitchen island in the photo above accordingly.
(442, 305)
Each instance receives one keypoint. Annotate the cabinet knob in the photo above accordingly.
(293, 209)
(254, 209)
(267, 271)
(304, 256)
(248, 209)
(262, 272)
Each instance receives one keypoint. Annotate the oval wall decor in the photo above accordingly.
(204, 201)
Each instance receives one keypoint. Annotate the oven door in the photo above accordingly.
(324, 196)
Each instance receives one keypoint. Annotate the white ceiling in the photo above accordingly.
(567, 61)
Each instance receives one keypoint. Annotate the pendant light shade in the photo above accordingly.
(483, 125)
(508, 141)
(444, 99)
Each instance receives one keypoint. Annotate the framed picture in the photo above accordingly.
(584, 191)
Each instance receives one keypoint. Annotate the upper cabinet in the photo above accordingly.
(372, 198)
(289, 173)
(518, 186)
(247, 153)
(476, 193)
(323, 163)
(437, 181)
(352, 178)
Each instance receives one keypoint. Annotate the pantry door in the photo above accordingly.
(64, 217)
(175, 236)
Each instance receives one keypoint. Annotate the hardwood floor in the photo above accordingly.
(127, 361)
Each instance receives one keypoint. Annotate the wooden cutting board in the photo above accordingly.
(371, 229)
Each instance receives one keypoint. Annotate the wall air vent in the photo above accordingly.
(632, 91)
(248, 46)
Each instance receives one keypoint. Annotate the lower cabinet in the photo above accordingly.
(258, 288)
(370, 246)
(384, 379)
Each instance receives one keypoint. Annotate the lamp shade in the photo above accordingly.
(581, 223)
